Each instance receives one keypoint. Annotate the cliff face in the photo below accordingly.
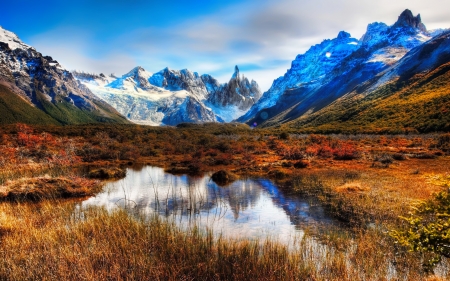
(170, 97)
(237, 92)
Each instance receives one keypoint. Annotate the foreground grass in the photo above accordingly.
(367, 181)
(59, 242)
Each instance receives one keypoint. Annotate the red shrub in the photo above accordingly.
(346, 151)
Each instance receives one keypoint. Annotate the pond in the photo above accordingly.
(250, 208)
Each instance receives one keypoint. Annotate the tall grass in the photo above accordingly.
(51, 241)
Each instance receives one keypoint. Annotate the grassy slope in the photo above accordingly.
(66, 113)
(14, 109)
(422, 103)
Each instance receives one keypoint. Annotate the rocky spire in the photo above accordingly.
(236, 72)
(407, 18)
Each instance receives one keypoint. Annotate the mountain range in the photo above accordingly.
(393, 79)
(335, 70)
(171, 97)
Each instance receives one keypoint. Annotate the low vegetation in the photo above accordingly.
(62, 242)
(429, 226)
(39, 188)
(108, 173)
(367, 181)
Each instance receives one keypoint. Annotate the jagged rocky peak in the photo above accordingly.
(177, 80)
(237, 92)
(374, 30)
(343, 35)
(236, 72)
(407, 18)
(408, 32)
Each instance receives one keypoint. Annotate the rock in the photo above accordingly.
(407, 18)
(301, 164)
(108, 173)
(223, 177)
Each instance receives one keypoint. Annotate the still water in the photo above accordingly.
(251, 208)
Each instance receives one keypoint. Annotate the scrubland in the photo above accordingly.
(367, 181)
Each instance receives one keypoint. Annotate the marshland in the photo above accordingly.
(114, 202)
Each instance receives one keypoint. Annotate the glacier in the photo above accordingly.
(170, 97)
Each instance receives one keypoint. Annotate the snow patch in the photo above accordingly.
(12, 40)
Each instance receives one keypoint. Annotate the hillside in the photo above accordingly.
(422, 104)
(14, 109)
(36, 89)
(326, 83)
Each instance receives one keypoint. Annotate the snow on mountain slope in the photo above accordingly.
(308, 68)
(170, 97)
(134, 97)
(12, 40)
(420, 59)
(315, 81)
(44, 84)
(411, 95)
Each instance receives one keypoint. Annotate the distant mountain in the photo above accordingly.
(335, 68)
(36, 89)
(170, 97)
(411, 96)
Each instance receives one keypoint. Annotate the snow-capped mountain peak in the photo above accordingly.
(170, 97)
(373, 33)
(136, 79)
(137, 72)
(329, 69)
(12, 40)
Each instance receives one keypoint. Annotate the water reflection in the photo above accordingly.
(246, 208)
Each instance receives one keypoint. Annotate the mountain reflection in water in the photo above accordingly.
(245, 209)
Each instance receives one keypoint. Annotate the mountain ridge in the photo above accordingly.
(42, 83)
(411, 96)
(170, 97)
(379, 48)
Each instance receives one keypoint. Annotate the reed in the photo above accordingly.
(65, 241)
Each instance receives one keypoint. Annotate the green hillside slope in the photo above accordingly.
(14, 109)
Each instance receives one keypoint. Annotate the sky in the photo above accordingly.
(262, 37)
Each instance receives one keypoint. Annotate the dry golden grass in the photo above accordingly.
(352, 187)
(47, 187)
(49, 241)
(370, 192)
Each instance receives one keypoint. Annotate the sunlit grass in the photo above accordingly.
(51, 241)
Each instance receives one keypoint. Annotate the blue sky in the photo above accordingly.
(261, 36)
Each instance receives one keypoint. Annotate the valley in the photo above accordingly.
(339, 171)
(367, 182)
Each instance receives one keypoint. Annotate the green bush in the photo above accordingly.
(429, 226)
